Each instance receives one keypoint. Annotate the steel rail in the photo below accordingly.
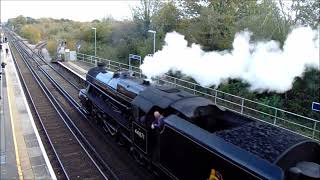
(38, 115)
(58, 108)
(77, 106)
(61, 112)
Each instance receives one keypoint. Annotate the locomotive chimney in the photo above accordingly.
(101, 64)
(146, 82)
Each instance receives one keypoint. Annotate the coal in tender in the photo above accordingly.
(261, 139)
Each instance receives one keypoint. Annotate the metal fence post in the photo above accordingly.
(314, 129)
(215, 97)
(242, 103)
(194, 89)
(275, 117)
(129, 68)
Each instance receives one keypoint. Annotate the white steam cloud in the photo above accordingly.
(264, 65)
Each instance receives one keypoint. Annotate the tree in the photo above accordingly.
(142, 14)
(210, 23)
(167, 18)
(212, 29)
(32, 33)
(265, 21)
(305, 90)
(191, 8)
(52, 46)
(306, 12)
(20, 21)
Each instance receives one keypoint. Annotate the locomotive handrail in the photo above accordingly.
(264, 112)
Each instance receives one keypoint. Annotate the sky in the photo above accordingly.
(74, 10)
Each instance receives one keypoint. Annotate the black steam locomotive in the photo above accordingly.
(198, 140)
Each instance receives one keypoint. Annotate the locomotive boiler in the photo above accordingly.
(199, 140)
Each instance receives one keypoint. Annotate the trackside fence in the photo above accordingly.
(284, 119)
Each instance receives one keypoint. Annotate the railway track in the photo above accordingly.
(65, 87)
(73, 157)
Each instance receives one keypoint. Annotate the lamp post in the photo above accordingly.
(95, 44)
(154, 39)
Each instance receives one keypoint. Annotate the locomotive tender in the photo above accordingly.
(198, 140)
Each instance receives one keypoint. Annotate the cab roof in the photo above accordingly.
(166, 96)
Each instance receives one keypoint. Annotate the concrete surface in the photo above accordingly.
(22, 153)
(8, 164)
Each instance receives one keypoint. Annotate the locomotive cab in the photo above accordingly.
(145, 138)
(198, 137)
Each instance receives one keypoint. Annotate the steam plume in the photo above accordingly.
(264, 65)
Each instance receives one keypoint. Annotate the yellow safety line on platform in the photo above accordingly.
(10, 92)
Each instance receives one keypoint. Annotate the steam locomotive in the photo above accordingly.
(199, 140)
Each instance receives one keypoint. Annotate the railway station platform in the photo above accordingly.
(22, 153)
(79, 68)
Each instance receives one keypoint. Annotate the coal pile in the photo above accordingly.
(261, 139)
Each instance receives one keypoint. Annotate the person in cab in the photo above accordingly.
(158, 120)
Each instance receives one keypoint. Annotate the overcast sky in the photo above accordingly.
(75, 10)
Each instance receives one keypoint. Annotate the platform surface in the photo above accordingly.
(79, 68)
(8, 164)
(22, 153)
